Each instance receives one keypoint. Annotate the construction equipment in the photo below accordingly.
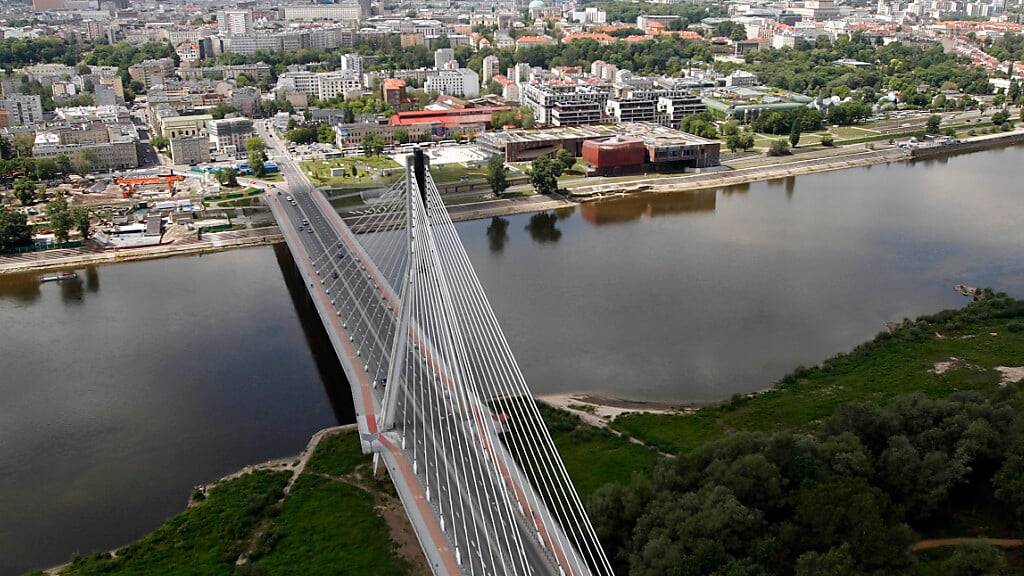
(130, 183)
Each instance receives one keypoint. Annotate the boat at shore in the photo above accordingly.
(59, 277)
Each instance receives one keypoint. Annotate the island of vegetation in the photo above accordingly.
(904, 456)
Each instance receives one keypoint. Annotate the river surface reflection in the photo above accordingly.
(125, 387)
(696, 296)
(129, 385)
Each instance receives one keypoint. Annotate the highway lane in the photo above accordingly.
(449, 446)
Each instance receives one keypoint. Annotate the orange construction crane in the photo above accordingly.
(166, 179)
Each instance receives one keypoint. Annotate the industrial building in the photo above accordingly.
(620, 149)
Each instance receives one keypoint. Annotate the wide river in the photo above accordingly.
(121, 390)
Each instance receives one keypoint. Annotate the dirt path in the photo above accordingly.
(942, 542)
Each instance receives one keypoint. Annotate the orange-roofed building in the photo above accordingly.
(393, 92)
(599, 37)
(528, 41)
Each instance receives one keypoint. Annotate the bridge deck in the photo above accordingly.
(473, 509)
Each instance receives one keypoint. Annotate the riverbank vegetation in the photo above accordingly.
(842, 467)
(329, 519)
(839, 470)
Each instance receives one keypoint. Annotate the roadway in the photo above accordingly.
(445, 466)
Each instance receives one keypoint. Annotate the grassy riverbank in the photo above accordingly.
(966, 361)
(333, 516)
(904, 360)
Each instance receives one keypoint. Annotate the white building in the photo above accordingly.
(235, 21)
(490, 67)
(324, 85)
(459, 82)
(589, 15)
(443, 56)
(349, 11)
(352, 63)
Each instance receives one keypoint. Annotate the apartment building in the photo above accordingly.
(23, 109)
(458, 82)
(564, 104)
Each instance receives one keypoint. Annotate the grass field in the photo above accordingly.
(329, 527)
(449, 173)
(369, 171)
(887, 367)
(595, 457)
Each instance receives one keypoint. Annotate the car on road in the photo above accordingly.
(288, 198)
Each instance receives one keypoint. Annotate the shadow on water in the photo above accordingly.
(543, 228)
(327, 364)
(497, 234)
(71, 291)
(633, 208)
(20, 287)
(92, 279)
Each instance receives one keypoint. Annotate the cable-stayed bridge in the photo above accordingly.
(439, 398)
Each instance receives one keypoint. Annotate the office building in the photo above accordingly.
(229, 134)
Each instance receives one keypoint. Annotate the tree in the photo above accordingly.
(256, 149)
(373, 144)
(6, 149)
(1000, 118)
(324, 134)
(779, 148)
(732, 141)
(568, 159)
(544, 173)
(975, 559)
(528, 120)
(23, 143)
(497, 174)
(159, 142)
(401, 136)
(24, 190)
(221, 110)
(14, 230)
(84, 162)
(80, 220)
(932, 126)
(794, 132)
(827, 140)
(228, 177)
(60, 219)
(301, 135)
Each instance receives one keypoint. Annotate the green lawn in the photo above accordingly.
(337, 455)
(346, 201)
(450, 173)
(328, 528)
(876, 372)
(369, 171)
(594, 457)
(203, 540)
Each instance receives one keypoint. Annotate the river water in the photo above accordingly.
(126, 387)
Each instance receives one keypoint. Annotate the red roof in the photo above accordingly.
(447, 117)
(596, 36)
